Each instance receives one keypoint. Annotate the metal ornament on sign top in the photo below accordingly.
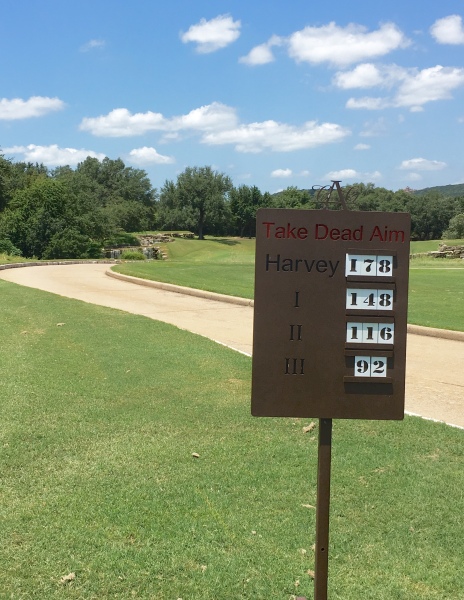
(325, 192)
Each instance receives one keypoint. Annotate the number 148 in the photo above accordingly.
(369, 299)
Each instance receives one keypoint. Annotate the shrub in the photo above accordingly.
(132, 255)
(455, 228)
(121, 239)
(94, 250)
(70, 243)
(7, 247)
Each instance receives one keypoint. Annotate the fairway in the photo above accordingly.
(226, 266)
(102, 413)
(436, 298)
(223, 265)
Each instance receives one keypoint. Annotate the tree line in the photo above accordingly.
(73, 213)
(69, 213)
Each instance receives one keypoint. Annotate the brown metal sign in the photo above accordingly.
(330, 314)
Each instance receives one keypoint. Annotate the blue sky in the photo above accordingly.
(273, 94)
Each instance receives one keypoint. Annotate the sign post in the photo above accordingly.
(323, 509)
(330, 320)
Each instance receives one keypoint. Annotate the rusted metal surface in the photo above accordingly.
(330, 323)
(330, 313)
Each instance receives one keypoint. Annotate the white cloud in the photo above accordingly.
(120, 122)
(367, 102)
(429, 85)
(414, 88)
(278, 137)
(422, 164)
(172, 136)
(219, 125)
(262, 54)
(36, 106)
(206, 118)
(448, 30)
(214, 34)
(342, 175)
(53, 155)
(149, 156)
(362, 147)
(375, 128)
(282, 173)
(413, 177)
(363, 76)
(342, 46)
(351, 174)
(369, 75)
(92, 45)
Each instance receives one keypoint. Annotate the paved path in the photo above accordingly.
(435, 366)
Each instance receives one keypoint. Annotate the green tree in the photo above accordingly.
(293, 197)
(16, 176)
(125, 194)
(368, 197)
(129, 216)
(7, 247)
(244, 202)
(173, 216)
(204, 192)
(34, 215)
(430, 215)
(70, 243)
(66, 212)
(116, 182)
(455, 228)
(5, 175)
(23, 175)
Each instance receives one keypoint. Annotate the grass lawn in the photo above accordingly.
(436, 297)
(101, 413)
(224, 265)
(432, 245)
(436, 290)
(6, 259)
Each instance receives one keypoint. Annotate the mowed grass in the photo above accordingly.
(101, 414)
(436, 287)
(223, 265)
(436, 297)
(432, 245)
(6, 259)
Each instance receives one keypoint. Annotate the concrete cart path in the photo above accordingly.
(435, 366)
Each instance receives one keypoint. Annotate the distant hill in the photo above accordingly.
(452, 191)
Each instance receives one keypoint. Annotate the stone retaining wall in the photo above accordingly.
(57, 262)
(443, 251)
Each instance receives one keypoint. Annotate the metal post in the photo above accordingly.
(323, 509)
